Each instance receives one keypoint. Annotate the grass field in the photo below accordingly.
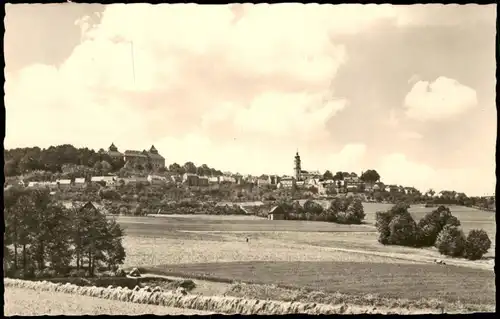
(323, 256)
(27, 302)
(408, 281)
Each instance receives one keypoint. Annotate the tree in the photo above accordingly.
(431, 192)
(391, 234)
(176, 168)
(433, 223)
(451, 241)
(313, 207)
(476, 244)
(106, 167)
(356, 211)
(328, 175)
(10, 168)
(338, 176)
(403, 230)
(189, 167)
(370, 176)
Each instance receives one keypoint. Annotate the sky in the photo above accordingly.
(406, 90)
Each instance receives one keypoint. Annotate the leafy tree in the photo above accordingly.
(43, 231)
(10, 168)
(338, 176)
(451, 241)
(328, 175)
(176, 168)
(106, 167)
(312, 207)
(189, 167)
(476, 244)
(433, 223)
(356, 211)
(370, 176)
(403, 230)
(383, 224)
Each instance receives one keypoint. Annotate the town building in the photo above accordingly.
(190, 179)
(276, 213)
(287, 182)
(79, 182)
(135, 157)
(203, 181)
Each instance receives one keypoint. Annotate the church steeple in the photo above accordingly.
(297, 166)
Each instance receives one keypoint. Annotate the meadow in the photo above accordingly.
(303, 254)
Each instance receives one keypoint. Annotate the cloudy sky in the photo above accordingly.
(409, 91)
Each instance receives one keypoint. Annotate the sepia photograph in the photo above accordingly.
(256, 159)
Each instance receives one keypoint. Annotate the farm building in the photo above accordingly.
(276, 213)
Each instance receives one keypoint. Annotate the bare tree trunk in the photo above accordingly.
(77, 259)
(90, 263)
(41, 259)
(24, 260)
(15, 256)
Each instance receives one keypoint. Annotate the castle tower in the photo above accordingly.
(113, 148)
(153, 150)
(297, 166)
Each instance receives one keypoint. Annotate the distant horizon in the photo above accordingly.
(385, 87)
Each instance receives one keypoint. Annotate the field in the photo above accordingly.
(27, 302)
(320, 256)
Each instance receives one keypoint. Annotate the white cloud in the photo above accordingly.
(410, 135)
(348, 159)
(396, 168)
(246, 71)
(441, 99)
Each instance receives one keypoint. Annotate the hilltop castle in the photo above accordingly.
(139, 158)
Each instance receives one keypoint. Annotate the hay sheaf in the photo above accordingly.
(218, 304)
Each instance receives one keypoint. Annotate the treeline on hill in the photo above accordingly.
(438, 228)
(81, 162)
(44, 239)
(341, 210)
(139, 200)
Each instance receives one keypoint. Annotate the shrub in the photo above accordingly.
(396, 226)
(77, 273)
(45, 273)
(433, 223)
(403, 230)
(356, 211)
(451, 241)
(382, 221)
(476, 244)
(313, 207)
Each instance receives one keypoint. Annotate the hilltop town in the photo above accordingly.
(116, 178)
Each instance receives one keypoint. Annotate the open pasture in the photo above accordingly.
(28, 302)
(409, 281)
(147, 250)
(157, 226)
(318, 255)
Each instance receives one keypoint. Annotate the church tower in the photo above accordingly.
(297, 166)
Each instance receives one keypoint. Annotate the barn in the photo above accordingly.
(276, 213)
